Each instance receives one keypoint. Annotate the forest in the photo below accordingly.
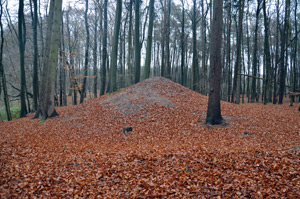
(149, 99)
(106, 46)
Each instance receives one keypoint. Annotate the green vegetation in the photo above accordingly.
(15, 112)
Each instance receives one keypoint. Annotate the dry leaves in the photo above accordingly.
(169, 154)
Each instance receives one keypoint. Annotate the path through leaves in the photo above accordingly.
(170, 153)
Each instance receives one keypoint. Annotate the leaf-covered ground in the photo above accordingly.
(170, 153)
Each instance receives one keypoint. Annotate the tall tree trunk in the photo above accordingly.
(283, 45)
(228, 60)
(35, 80)
(22, 41)
(95, 70)
(237, 68)
(267, 97)
(114, 53)
(182, 79)
(63, 90)
(149, 40)
(248, 55)
(168, 62)
(214, 105)
(254, 63)
(295, 51)
(195, 67)
(163, 66)
(137, 43)
(46, 101)
(2, 74)
(104, 50)
(86, 56)
(276, 54)
(203, 49)
(129, 59)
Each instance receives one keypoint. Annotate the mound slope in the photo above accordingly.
(169, 153)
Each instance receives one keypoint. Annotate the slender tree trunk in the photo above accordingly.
(163, 67)
(63, 90)
(276, 54)
(86, 59)
(104, 50)
(137, 42)
(195, 67)
(253, 91)
(22, 41)
(295, 51)
(168, 62)
(228, 60)
(95, 70)
(129, 59)
(214, 105)
(237, 67)
(182, 46)
(35, 81)
(114, 54)
(149, 40)
(2, 74)
(283, 45)
(267, 97)
(203, 43)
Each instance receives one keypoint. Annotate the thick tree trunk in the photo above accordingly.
(214, 105)
(114, 53)
(46, 101)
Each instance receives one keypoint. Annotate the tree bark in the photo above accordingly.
(235, 97)
(104, 50)
(2, 74)
(86, 55)
(46, 101)
(214, 105)
(22, 41)
(284, 36)
(254, 63)
(149, 40)
(95, 70)
(137, 43)
(114, 53)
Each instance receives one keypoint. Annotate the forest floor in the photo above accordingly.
(171, 153)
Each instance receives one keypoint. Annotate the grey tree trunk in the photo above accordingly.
(22, 41)
(95, 70)
(149, 39)
(168, 62)
(267, 93)
(46, 101)
(104, 50)
(86, 55)
(214, 105)
(114, 53)
(137, 43)
(2, 74)
(195, 66)
(284, 36)
(235, 97)
(182, 79)
(163, 63)
(254, 63)
(129, 59)
(35, 80)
